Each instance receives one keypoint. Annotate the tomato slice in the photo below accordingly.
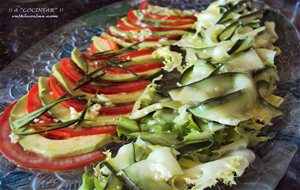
(136, 68)
(16, 154)
(125, 27)
(69, 132)
(93, 49)
(129, 55)
(133, 20)
(125, 87)
(172, 17)
(34, 102)
(135, 54)
(72, 72)
(119, 37)
(117, 110)
(58, 91)
(144, 6)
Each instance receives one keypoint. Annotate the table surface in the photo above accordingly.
(18, 35)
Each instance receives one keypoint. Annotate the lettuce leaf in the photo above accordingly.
(172, 59)
(149, 95)
(224, 169)
(87, 182)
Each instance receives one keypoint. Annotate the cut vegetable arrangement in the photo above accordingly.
(188, 127)
(68, 116)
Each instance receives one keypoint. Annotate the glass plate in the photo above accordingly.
(273, 157)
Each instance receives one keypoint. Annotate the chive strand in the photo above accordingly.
(35, 114)
(110, 54)
(82, 115)
(62, 125)
(88, 81)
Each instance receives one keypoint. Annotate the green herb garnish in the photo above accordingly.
(110, 53)
(86, 63)
(55, 126)
(35, 114)
(113, 63)
(91, 79)
(83, 113)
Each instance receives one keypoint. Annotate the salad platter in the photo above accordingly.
(111, 62)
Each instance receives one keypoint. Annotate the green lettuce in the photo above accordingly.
(172, 59)
(224, 169)
(87, 182)
(149, 95)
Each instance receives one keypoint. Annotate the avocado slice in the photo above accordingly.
(101, 44)
(56, 148)
(112, 98)
(143, 45)
(134, 61)
(63, 114)
(116, 31)
(117, 77)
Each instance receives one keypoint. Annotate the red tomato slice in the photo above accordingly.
(133, 20)
(144, 6)
(127, 55)
(117, 110)
(72, 72)
(119, 37)
(70, 69)
(58, 91)
(125, 27)
(135, 54)
(125, 87)
(34, 102)
(163, 17)
(70, 132)
(136, 68)
(93, 49)
(16, 154)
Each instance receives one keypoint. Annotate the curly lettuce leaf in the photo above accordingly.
(224, 169)
(172, 59)
(149, 95)
(127, 126)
